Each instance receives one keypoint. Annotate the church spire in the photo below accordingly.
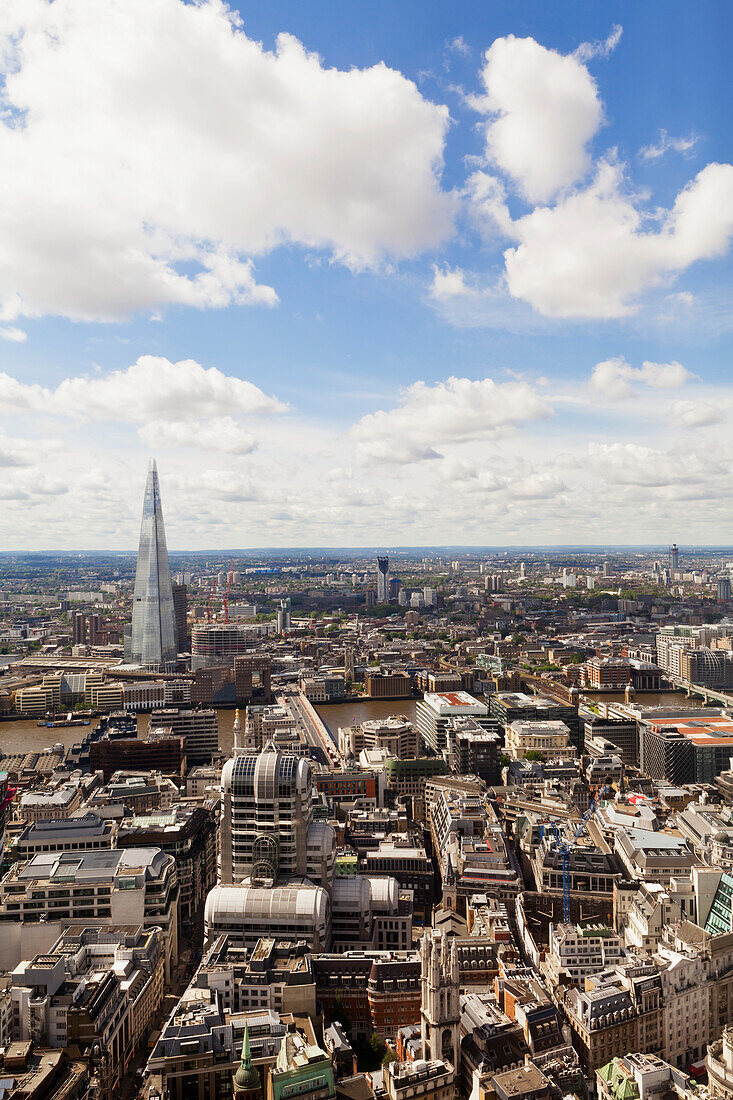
(247, 1084)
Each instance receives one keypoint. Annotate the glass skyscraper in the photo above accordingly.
(153, 638)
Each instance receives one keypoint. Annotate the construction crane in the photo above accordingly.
(565, 848)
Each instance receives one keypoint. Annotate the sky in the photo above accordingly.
(403, 273)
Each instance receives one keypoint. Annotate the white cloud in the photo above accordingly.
(615, 378)
(222, 434)
(665, 143)
(455, 411)
(151, 389)
(448, 282)
(592, 254)
(696, 414)
(178, 149)
(16, 335)
(544, 110)
(632, 464)
(603, 47)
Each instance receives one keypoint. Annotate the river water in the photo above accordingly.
(24, 735)
(362, 710)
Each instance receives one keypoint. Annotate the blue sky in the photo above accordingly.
(418, 273)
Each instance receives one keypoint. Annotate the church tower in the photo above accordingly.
(440, 1011)
(247, 1084)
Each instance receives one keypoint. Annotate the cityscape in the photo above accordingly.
(366, 550)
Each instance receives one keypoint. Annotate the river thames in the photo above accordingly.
(23, 735)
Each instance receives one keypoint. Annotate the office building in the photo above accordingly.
(161, 751)
(218, 644)
(434, 712)
(153, 635)
(82, 832)
(93, 889)
(302, 1069)
(252, 680)
(509, 706)
(189, 834)
(550, 739)
(477, 749)
(268, 831)
(298, 911)
(199, 729)
(96, 987)
(395, 734)
(686, 746)
(383, 580)
(274, 974)
(180, 610)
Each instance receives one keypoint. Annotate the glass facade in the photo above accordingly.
(153, 639)
(719, 917)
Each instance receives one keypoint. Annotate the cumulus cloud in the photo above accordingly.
(448, 282)
(696, 414)
(144, 176)
(665, 143)
(593, 254)
(455, 411)
(152, 389)
(543, 110)
(615, 378)
(222, 434)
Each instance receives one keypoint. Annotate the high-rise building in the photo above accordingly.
(283, 616)
(674, 557)
(383, 580)
(180, 607)
(153, 636)
(724, 589)
(268, 832)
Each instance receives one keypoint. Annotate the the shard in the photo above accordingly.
(153, 638)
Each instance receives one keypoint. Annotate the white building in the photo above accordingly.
(434, 711)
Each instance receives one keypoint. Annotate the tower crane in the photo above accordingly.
(565, 847)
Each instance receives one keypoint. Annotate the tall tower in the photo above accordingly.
(674, 557)
(267, 827)
(383, 580)
(440, 1010)
(153, 638)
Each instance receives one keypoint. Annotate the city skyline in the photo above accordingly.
(458, 277)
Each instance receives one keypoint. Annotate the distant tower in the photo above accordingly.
(440, 1010)
(349, 662)
(153, 637)
(383, 580)
(246, 1084)
(674, 557)
(283, 616)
